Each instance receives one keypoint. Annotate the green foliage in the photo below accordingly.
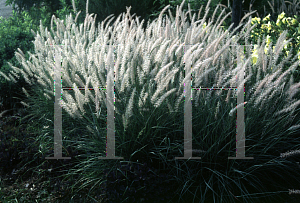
(23, 5)
(104, 8)
(45, 13)
(66, 10)
(271, 31)
(26, 5)
(144, 184)
(14, 33)
(15, 150)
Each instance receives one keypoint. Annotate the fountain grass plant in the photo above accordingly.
(149, 109)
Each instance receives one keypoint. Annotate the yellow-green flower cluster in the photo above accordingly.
(273, 30)
(255, 20)
(204, 26)
(267, 18)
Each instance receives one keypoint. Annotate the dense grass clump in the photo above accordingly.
(153, 70)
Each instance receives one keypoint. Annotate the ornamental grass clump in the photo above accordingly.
(152, 69)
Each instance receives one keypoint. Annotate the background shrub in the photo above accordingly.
(26, 5)
(14, 33)
(104, 8)
(270, 30)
